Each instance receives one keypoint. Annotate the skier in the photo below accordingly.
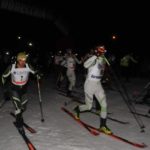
(125, 64)
(19, 72)
(93, 87)
(70, 61)
(59, 69)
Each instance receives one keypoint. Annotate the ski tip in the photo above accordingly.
(31, 147)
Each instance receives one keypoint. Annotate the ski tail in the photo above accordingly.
(26, 139)
(92, 131)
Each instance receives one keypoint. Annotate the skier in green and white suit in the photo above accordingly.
(19, 72)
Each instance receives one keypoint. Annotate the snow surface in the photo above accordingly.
(61, 132)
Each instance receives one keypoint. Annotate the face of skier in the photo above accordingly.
(21, 63)
(21, 59)
(101, 50)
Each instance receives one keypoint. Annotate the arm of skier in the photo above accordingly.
(78, 61)
(133, 60)
(6, 73)
(90, 62)
(35, 72)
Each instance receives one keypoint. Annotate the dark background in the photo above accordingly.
(87, 24)
(75, 25)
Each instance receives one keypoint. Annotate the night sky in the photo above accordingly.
(87, 25)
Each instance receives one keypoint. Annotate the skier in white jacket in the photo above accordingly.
(93, 87)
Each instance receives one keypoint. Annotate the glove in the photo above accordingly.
(38, 76)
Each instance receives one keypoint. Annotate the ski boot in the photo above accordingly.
(104, 128)
(77, 112)
(19, 124)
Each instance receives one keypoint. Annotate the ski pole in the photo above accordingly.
(126, 98)
(40, 100)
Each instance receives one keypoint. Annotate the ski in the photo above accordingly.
(143, 115)
(92, 131)
(74, 92)
(26, 139)
(24, 124)
(74, 99)
(119, 121)
(119, 138)
(111, 135)
(61, 90)
(110, 118)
